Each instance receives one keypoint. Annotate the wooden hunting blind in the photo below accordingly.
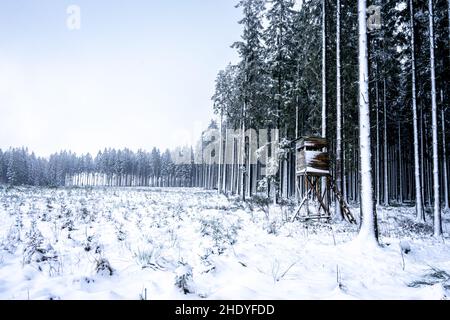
(314, 182)
(312, 157)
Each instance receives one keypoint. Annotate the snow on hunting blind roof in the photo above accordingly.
(120, 243)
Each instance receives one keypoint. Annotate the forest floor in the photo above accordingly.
(142, 243)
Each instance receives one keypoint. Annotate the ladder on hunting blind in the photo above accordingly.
(344, 206)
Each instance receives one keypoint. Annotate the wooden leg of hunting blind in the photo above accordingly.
(304, 200)
(322, 204)
(309, 192)
(344, 206)
(321, 196)
(308, 188)
(328, 195)
(324, 201)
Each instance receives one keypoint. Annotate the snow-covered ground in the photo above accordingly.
(140, 243)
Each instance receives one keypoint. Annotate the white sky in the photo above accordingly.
(138, 75)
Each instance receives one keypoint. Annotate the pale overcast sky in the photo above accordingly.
(138, 74)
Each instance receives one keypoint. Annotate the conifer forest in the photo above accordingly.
(322, 173)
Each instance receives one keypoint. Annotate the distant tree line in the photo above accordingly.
(110, 167)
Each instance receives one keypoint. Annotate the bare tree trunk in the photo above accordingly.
(219, 174)
(225, 157)
(437, 204)
(210, 173)
(285, 179)
(338, 213)
(324, 70)
(444, 142)
(324, 78)
(296, 117)
(295, 153)
(344, 171)
(242, 169)
(369, 229)
(444, 153)
(419, 197)
(249, 172)
(400, 165)
(377, 160)
(385, 155)
(233, 165)
(422, 157)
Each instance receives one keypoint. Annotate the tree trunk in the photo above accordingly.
(344, 171)
(422, 157)
(445, 149)
(377, 160)
(444, 154)
(225, 157)
(338, 213)
(219, 174)
(324, 70)
(249, 158)
(242, 161)
(437, 204)
(419, 206)
(369, 230)
(400, 165)
(385, 145)
(324, 79)
(233, 166)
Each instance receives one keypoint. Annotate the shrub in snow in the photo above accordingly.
(150, 258)
(66, 216)
(405, 247)
(47, 252)
(261, 203)
(45, 217)
(68, 224)
(98, 248)
(433, 277)
(222, 232)
(177, 210)
(103, 267)
(120, 233)
(272, 227)
(19, 222)
(89, 244)
(43, 254)
(49, 204)
(184, 278)
(12, 240)
(206, 261)
(32, 249)
(406, 227)
(85, 215)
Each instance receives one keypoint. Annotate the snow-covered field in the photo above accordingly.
(192, 244)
